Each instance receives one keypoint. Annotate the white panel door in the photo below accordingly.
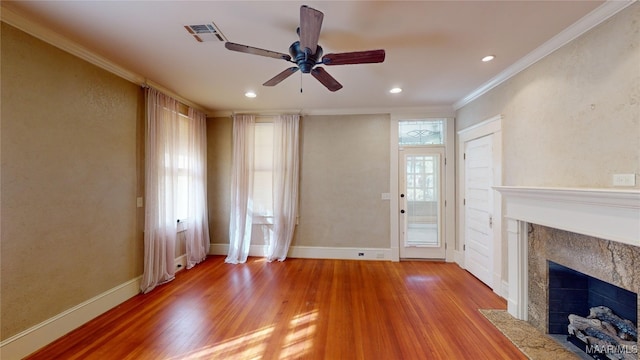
(478, 208)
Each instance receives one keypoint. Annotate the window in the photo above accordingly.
(421, 184)
(421, 132)
(263, 173)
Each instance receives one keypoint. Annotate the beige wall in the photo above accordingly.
(70, 168)
(573, 118)
(344, 170)
(219, 150)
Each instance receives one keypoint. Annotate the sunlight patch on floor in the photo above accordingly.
(297, 342)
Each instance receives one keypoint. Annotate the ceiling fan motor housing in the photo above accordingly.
(305, 60)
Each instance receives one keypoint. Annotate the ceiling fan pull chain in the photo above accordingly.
(301, 83)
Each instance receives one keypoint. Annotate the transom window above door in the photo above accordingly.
(421, 132)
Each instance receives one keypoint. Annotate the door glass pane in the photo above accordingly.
(423, 210)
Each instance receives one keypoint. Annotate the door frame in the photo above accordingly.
(491, 126)
(448, 182)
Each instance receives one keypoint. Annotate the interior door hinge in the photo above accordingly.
(464, 201)
(464, 247)
(445, 161)
(464, 156)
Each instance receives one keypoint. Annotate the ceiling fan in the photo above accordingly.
(306, 53)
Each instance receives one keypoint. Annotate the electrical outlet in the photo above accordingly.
(360, 254)
(624, 179)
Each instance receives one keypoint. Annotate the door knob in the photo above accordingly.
(401, 195)
(402, 211)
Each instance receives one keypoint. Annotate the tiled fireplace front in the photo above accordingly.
(612, 262)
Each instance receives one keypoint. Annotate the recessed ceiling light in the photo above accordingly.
(395, 90)
(250, 94)
(488, 58)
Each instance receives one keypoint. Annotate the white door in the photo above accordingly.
(421, 215)
(478, 203)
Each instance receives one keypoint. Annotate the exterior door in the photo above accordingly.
(421, 212)
(478, 203)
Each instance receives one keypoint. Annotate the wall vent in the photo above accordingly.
(205, 32)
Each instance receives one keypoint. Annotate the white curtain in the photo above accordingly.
(285, 185)
(160, 216)
(240, 221)
(175, 187)
(197, 232)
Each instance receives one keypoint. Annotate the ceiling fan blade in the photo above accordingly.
(357, 57)
(326, 79)
(283, 75)
(256, 51)
(310, 24)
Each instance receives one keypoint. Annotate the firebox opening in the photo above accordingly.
(574, 293)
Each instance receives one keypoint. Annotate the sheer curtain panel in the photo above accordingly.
(197, 232)
(241, 213)
(285, 185)
(175, 187)
(162, 123)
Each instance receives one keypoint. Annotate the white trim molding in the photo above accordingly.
(610, 214)
(588, 22)
(34, 338)
(316, 252)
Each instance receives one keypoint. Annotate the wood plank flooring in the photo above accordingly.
(299, 309)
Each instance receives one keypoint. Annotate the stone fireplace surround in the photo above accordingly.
(594, 231)
(612, 262)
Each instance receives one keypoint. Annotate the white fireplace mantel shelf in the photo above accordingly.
(611, 214)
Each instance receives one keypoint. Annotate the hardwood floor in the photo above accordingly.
(299, 309)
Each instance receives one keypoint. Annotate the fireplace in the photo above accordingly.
(575, 299)
(593, 231)
(573, 292)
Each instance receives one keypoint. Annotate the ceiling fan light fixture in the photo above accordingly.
(488, 58)
(250, 94)
(395, 90)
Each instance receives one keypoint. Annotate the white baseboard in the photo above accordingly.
(181, 262)
(458, 258)
(505, 290)
(34, 338)
(316, 252)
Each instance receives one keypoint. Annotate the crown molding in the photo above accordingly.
(588, 22)
(45, 34)
(431, 111)
(36, 30)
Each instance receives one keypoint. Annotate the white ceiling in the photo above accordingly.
(433, 48)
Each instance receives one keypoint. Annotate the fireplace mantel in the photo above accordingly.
(611, 214)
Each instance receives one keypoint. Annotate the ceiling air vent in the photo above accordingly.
(205, 32)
